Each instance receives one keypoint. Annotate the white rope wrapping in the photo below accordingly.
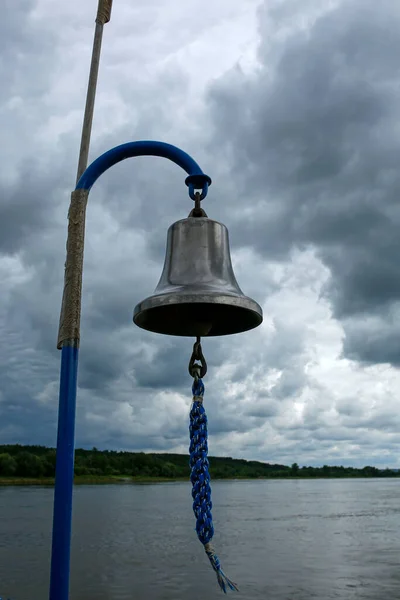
(70, 318)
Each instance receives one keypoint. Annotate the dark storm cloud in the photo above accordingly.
(313, 139)
(23, 42)
(378, 334)
(161, 371)
(263, 406)
(37, 166)
(297, 162)
(30, 225)
(32, 178)
(27, 206)
(24, 416)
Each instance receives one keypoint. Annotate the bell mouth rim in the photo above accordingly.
(206, 298)
(161, 301)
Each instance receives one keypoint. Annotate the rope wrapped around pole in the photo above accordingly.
(200, 477)
(104, 12)
(70, 317)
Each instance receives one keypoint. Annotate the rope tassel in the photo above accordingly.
(200, 478)
(223, 580)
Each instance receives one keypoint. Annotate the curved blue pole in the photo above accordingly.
(196, 179)
(62, 516)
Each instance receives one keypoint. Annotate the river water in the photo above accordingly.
(279, 540)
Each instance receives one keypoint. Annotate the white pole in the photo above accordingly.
(103, 16)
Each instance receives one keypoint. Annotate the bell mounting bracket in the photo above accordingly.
(196, 180)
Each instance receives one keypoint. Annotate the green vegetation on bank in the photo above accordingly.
(36, 464)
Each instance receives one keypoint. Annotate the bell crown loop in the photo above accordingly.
(198, 181)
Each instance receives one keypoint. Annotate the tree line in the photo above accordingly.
(39, 462)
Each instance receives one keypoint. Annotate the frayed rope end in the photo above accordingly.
(223, 581)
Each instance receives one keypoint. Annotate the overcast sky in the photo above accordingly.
(293, 108)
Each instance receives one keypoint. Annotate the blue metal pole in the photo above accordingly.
(62, 516)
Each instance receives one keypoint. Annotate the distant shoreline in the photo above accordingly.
(84, 480)
(115, 480)
(36, 465)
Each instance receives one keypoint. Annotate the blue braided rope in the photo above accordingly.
(200, 478)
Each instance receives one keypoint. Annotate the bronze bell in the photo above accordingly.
(198, 294)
